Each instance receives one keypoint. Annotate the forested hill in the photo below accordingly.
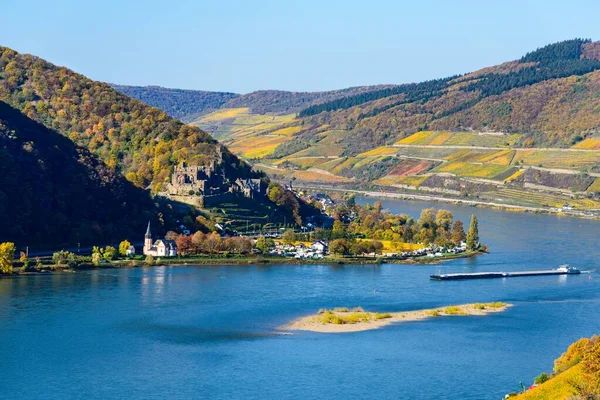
(549, 95)
(284, 102)
(53, 192)
(138, 141)
(185, 105)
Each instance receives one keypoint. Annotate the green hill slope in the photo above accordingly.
(139, 141)
(53, 192)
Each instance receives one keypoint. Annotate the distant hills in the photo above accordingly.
(178, 103)
(188, 105)
(525, 132)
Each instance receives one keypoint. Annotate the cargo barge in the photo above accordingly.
(562, 270)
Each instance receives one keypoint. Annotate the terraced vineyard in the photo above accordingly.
(534, 199)
(456, 162)
(433, 138)
(487, 171)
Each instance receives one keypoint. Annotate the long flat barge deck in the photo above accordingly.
(490, 275)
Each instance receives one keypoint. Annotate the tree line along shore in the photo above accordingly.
(358, 234)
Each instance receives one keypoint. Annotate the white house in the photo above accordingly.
(160, 248)
(130, 251)
(319, 247)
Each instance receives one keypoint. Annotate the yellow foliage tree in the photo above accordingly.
(7, 253)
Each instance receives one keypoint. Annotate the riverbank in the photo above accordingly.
(250, 260)
(454, 201)
(343, 320)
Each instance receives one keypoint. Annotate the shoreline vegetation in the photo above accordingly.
(241, 261)
(355, 234)
(344, 320)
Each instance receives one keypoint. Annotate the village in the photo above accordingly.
(311, 241)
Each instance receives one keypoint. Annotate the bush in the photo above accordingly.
(541, 378)
(453, 310)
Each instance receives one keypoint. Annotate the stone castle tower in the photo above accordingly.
(147, 239)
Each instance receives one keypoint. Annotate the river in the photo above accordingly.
(211, 332)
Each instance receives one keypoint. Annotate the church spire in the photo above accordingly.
(148, 234)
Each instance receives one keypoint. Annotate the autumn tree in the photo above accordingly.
(238, 245)
(198, 242)
(339, 229)
(213, 243)
(24, 260)
(7, 253)
(171, 235)
(124, 247)
(289, 237)
(443, 219)
(473, 234)
(458, 232)
(184, 244)
(339, 246)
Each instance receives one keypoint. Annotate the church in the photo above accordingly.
(160, 248)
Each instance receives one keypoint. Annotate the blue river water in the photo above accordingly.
(211, 332)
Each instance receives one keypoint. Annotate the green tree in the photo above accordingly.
(264, 244)
(149, 260)
(59, 258)
(123, 247)
(339, 229)
(96, 259)
(289, 237)
(110, 253)
(7, 253)
(473, 234)
(350, 199)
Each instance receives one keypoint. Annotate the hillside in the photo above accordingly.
(526, 132)
(138, 141)
(53, 192)
(185, 105)
(284, 102)
(576, 375)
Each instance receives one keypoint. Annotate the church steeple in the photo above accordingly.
(147, 240)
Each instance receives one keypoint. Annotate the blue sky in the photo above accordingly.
(307, 45)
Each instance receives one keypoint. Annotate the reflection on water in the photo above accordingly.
(211, 332)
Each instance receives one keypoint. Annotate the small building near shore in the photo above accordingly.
(160, 248)
(319, 247)
(130, 251)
